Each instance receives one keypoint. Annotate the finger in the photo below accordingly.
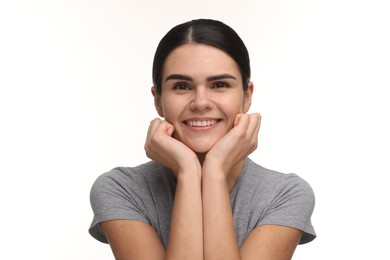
(151, 130)
(258, 122)
(254, 125)
(253, 129)
(237, 119)
(242, 121)
(168, 128)
(153, 126)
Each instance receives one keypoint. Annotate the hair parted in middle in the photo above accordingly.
(202, 31)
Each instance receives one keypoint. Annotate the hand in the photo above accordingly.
(161, 147)
(238, 143)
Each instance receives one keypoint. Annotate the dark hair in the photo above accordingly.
(205, 31)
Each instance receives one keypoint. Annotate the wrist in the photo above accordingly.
(189, 169)
(217, 175)
(214, 173)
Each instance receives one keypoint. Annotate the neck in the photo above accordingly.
(201, 157)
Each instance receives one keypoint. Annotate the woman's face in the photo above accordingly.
(201, 95)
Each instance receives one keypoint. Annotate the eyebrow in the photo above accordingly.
(211, 78)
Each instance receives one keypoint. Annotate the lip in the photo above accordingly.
(201, 123)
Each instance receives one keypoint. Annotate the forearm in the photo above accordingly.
(218, 225)
(186, 232)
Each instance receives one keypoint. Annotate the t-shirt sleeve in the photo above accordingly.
(292, 205)
(114, 196)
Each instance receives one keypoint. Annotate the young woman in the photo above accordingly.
(201, 197)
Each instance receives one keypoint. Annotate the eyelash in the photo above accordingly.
(181, 86)
(221, 85)
(184, 86)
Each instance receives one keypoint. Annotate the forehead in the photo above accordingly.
(199, 60)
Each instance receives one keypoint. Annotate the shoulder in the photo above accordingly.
(131, 184)
(123, 177)
(131, 193)
(283, 199)
(275, 181)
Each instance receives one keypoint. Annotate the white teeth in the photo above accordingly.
(201, 123)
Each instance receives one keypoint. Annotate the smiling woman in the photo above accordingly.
(200, 196)
(204, 84)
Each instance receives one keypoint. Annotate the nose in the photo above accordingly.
(201, 99)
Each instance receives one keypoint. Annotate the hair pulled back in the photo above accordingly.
(204, 31)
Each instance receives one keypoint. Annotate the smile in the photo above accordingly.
(199, 123)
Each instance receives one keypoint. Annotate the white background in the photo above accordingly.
(75, 101)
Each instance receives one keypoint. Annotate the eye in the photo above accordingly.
(181, 86)
(220, 85)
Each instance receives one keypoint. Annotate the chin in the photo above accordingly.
(201, 149)
(201, 145)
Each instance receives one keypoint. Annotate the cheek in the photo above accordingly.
(171, 110)
(235, 105)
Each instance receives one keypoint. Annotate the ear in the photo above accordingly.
(247, 98)
(157, 101)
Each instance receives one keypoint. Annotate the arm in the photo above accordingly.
(221, 168)
(220, 171)
(219, 236)
(268, 242)
(186, 234)
(132, 239)
(137, 240)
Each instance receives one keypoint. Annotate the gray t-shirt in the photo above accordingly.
(146, 193)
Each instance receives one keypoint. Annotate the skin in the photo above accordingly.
(201, 83)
